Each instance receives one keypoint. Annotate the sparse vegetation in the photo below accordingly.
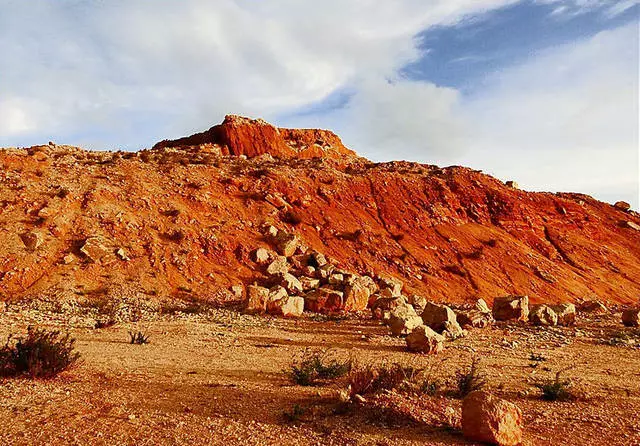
(556, 389)
(469, 380)
(138, 338)
(295, 414)
(406, 379)
(315, 366)
(41, 354)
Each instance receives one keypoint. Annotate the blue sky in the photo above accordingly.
(541, 91)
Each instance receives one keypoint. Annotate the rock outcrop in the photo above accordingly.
(238, 136)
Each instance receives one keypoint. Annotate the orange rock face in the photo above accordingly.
(254, 137)
(189, 220)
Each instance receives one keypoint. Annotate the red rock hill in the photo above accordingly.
(252, 137)
(182, 221)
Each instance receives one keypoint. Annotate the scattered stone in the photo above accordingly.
(481, 305)
(326, 270)
(257, 299)
(424, 340)
(272, 231)
(309, 283)
(491, 420)
(403, 319)
(566, 313)
(336, 279)
(394, 285)
(631, 317)
(122, 255)
(291, 283)
(511, 307)
(452, 330)
(94, 249)
(474, 318)
(261, 256)
(622, 205)
(512, 184)
(32, 240)
(324, 300)
(69, 259)
(435, 316)
(543, 315)
(418, 302)
(287, 244)
(238, 291)
(356, 295)
(289, 306)
(319, 259)
(631, 225)
(278, 266)
(382, 307)
(593, 306)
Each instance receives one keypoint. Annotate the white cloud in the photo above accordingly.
(565, 120)
(186, 63)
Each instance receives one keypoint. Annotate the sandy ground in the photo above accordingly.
(219, 379)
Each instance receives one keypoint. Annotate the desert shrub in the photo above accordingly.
(406, 379)
(138, 338)
(556, 389)
(315, 366)
(41, 354)
(469, 380)
(295, 414)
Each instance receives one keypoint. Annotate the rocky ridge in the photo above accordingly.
(197, 219)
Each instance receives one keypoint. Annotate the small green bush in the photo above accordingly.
(314, 366)
(471, 379)
(41, 354)
(556, 389)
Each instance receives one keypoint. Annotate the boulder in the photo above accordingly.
(491, 420)
(287, 244)
(481, 305)
(512, 184)
(435, 316)
(290, 306)
(631, 225)
(418, 302)
(631, 317)
(473, 318)
(543, 315)
(257, 298)
(95, 249)
(261, 256)
(424, 340)
(309, 283)
(592, 306)
(394, 285)
(291, 283)
(622, 205)
(356, 296)
(382, 307)
(452, 330)
(318, 259)
(324, 300)
(336, 279)
(403, 319)
(566, 313)
(32, 240)
(271, 231)
(325, 271)
(510, 308)
(278, 267)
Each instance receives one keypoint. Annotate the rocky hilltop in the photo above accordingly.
(185, 219)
